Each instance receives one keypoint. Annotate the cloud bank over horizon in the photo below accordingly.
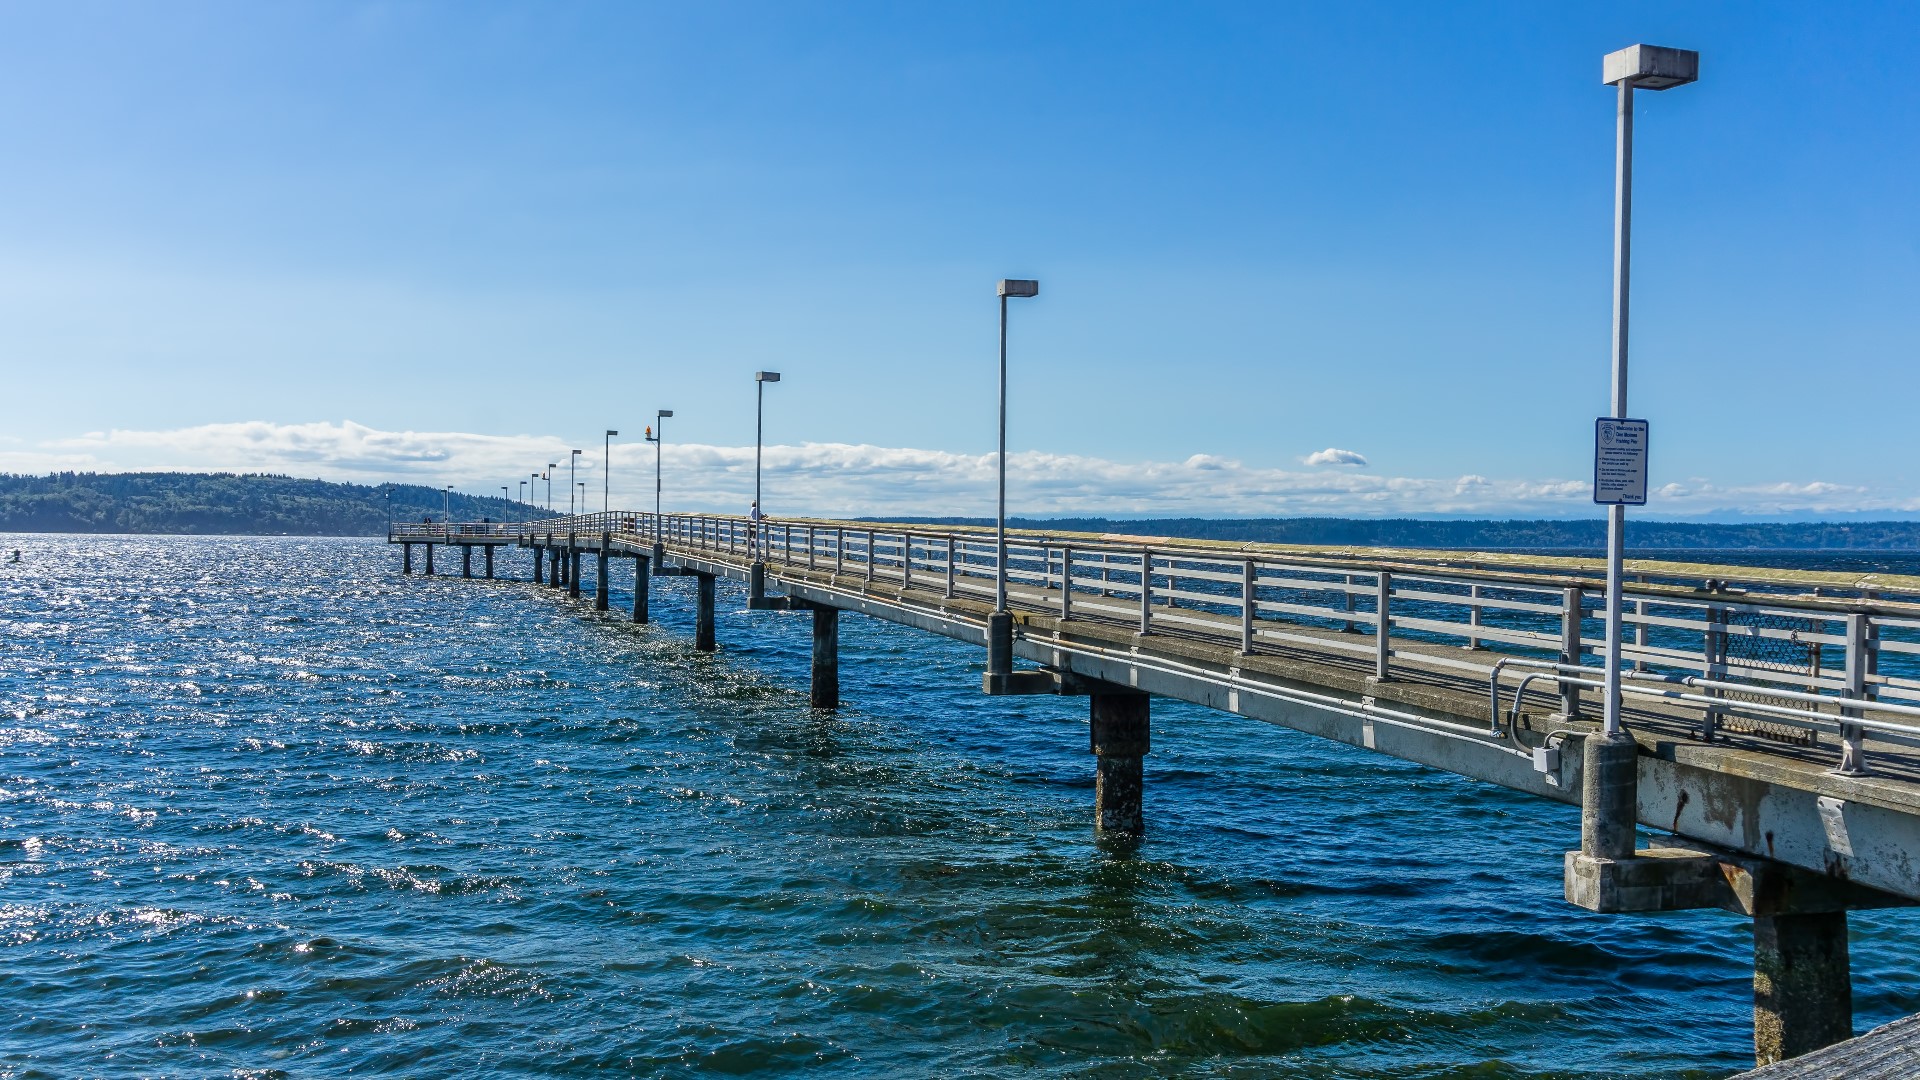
(857, 479)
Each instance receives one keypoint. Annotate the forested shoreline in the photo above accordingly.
(272, 505)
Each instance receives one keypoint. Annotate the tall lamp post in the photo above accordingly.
(1609, 795)
(760, 381)
(446, 504)
(523, 498)
(606, 475)
(1000, 623)
(389, 509)
(657, 436)
(572, 460)
(549, 479)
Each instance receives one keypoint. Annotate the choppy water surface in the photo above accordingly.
(269, 808)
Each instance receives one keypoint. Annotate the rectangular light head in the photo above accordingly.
(664, 412)
(1018, 287)
(766, 376)
(610, 431)
(1650, 67)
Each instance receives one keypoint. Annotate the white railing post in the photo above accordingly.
(1853, 750)
(1382, 625)
(1572, 610)
(950, 547)
(869, 554)
(1346, 601)
(1473, 615)
(1146, 591)
(906, 560)
(810, 547)
(1066, 582)
(1246, 607)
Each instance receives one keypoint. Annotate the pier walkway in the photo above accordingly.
(1777, 712)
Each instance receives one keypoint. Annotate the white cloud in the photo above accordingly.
(1332, 456)
(840, 479)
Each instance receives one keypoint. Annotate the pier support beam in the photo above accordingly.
(406, 558)
(703, 638)
(539, 566)
(1119, 726)
(757, 586)
(1802, 989)
(642, 585)
(466, 560)
(824, 690)
(600, 576)
(573, 570)
(429, 560)
(488, 551)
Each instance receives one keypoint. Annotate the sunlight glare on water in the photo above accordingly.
(269, 808)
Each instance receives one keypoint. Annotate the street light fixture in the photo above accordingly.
(606, 463)
(572, 460)
(446, 504)
(549, 479)
(1000, 623)
(657, 440)
(1609, 794)
(523, 498)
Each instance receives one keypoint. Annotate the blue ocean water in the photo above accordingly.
(268, 808)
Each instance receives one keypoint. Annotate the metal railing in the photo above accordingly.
(1781, 656)
(453, 532)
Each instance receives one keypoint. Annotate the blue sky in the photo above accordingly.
(439, 242)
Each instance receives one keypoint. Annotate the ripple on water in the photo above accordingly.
(270, 809)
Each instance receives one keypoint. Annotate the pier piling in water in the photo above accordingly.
(703, 638)
(488, 552)
(600, 576)
(824, 687)
(429, 560)
(573, 567)
(1802, 987)
(1119, 728)
(642, 585)
(406, 558)
(466, 560)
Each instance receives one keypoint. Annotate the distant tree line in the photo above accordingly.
(261, 504)
(1489, 534)
(226, 503)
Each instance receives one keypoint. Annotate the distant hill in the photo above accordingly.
(1483, 535)
(261, 504)
(252, 504)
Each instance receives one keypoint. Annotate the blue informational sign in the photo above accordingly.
(1619, 461)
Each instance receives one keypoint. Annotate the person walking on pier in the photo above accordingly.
(753, 528)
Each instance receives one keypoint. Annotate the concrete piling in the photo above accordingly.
(600, 576)
(703, 637)
(573, 569)
(406, 558)
(824, 690)
(429, 560)
(1609, 795)
(466, 560)
(642, 584)
(1119, 728)
(488, 552)
(1802, 989)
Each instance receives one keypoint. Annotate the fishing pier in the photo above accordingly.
(1774, 714)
